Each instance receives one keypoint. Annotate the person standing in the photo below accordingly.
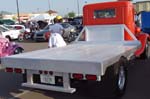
(56, 30)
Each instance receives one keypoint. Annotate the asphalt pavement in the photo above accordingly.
(138, 86)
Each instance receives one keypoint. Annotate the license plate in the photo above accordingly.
(47, 79)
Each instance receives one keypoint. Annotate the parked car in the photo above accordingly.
(9, 33)
(77, 24)
(7, 22)
(9, 48)
(68, 29)
(44, 34)
(15, 27)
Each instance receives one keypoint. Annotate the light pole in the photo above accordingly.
(78, 7)
(49, 5)
(18, 11)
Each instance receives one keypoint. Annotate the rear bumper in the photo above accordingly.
(53, 88)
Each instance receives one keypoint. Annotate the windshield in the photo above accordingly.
(46, 27)
(3, 29)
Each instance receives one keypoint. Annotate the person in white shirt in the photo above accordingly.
(56, 30)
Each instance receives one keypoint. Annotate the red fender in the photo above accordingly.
(143, 37)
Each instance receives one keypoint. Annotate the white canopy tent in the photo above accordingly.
(43, 17)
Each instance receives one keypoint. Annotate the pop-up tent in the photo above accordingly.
(41, 17)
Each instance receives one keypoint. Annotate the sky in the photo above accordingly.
(61, 6)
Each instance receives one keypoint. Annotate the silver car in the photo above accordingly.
(41, 35)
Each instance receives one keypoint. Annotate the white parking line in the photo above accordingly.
(18, 95)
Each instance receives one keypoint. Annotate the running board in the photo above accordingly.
(48, 87)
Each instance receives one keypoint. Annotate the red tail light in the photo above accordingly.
(46, 72)
(9, 69)
(77, 76)
(40, 71)
(91, 77)
(50, 72)
(18, 70)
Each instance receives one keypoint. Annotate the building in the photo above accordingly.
(142, 6)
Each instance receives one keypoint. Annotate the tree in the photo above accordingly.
(71, 14)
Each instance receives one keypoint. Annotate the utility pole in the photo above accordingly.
(78, 7)
(49, 5)
(18, 11)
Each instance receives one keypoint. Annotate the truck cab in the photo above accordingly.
(110, 13)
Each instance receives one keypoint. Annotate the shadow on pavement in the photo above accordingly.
(11, 88)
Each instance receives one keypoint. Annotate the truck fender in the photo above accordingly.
(143, 37)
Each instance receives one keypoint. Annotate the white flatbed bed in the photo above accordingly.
(92, 56)
(83, 57)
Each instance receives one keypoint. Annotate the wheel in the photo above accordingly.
(8, 37)
(121, 80)
(18, 50)
(146, 53)
(20, 38)
(72, 36)
(115, 78)
(27, 36)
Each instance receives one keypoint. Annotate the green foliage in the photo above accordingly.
(14, 18)
(71, 14)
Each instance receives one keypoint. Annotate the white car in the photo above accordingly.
(8, 33)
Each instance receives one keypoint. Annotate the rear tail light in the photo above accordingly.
(40, 71)
(18, 70)
(45, 72)
(9, 69)
(77, 76)
(91, 77)
(50, 72)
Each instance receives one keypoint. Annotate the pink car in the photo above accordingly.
(9, 48)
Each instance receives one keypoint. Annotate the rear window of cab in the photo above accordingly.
(105, 13)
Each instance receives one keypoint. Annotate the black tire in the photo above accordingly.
(72, 36)
(115, 78)
(146, 53)
(20, 38)
(27, 36)
(121, 80)
(18, 50)
(8, 37)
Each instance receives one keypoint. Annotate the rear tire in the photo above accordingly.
(146, 53)
(116, 77)
(121, 81)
